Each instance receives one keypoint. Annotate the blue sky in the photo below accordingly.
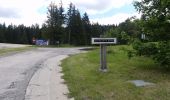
(29, 12)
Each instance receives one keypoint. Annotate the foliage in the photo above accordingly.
(146, 49)
(126, 31)
(19, 34)
(75, 26)
(86, 28)
(163, 55)
(53, 29)
(155, 23)
(155, 18)
(159, 52)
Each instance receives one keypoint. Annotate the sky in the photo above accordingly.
(30, 12)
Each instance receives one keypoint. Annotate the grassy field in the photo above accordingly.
(86, 82)
(14, 50)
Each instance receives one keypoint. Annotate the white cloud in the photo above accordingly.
(8, 12)
(101, 6)
(27, 11)
(97, 6)
(115, 19)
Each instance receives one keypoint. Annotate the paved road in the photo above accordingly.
(17, 70)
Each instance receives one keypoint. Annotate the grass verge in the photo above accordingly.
(14, 50)
(86, 82)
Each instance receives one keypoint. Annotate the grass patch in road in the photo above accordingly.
(14, 50)
(85, 82)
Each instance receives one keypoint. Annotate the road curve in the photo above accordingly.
(17, 70)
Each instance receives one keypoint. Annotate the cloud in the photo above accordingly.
(8, 13)
(101, 6)
(93, 7)
(29, 12)
(115, 19)
(22, 11)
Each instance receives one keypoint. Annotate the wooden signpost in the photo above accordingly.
(103, 43)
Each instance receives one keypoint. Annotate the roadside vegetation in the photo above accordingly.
(86, 82)
(14, 50)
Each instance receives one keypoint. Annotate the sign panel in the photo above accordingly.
(104, 40)
(42, 42)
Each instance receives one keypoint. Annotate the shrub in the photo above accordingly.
(163, 55)
(159, 52)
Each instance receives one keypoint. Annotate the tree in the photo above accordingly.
(54, 22)
(156, 22)
(75, 26)
(155, 17)
(67, 22)
(62, 19)
(87, 28)
(96, 30)
(126, 31)
(2, 32)
(22, 35)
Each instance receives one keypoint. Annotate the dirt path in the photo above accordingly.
(17, 70)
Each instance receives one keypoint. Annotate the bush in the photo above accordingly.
(146, 49)
(159, 52)
(163, 55)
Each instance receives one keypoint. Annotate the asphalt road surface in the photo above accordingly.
(34, 74)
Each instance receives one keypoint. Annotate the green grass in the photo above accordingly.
(86, 82)
(14, 50)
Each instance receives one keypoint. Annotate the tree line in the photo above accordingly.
(66, 27)
(18, 34)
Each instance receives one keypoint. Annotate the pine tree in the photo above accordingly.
(2, 33)
(69, 21)
(54, 23)
(87, 28)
